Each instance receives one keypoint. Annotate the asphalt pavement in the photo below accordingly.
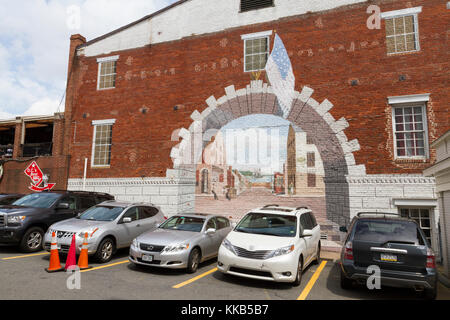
(22, 276)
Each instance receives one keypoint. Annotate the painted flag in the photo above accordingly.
(281, 76)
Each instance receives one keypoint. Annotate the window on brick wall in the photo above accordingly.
(101, 147)
(402, 30)
(422, 217)
(256, 50)
(247, 5)
(309, 139)
(410, 131)
(311, 179)
(107, 72)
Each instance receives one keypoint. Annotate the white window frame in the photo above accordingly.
(419, 100)
(100, 61)
(96, 123)
(414, 12)
(254, 36)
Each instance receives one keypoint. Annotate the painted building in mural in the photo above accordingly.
(372, 99)
(212, 172)
(304, 167)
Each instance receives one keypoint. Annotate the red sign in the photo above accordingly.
(37, 177)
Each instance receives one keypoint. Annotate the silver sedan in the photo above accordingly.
(183, 241)
(109, 225)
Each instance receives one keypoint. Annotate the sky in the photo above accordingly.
(34, 46)
(266, 146)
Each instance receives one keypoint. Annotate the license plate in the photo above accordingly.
(147, 258)
(388, 257)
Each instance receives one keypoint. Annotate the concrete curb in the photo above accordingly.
(444, 280)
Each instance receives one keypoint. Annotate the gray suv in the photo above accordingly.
(396, 245)
(110, 225)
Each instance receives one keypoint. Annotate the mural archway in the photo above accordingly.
(313, 117)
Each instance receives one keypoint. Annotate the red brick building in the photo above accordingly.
(371, 99)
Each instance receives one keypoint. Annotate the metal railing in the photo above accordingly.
(37, 149)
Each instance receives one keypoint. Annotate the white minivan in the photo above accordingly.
(272, 243)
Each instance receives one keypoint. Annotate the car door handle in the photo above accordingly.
(138, 226)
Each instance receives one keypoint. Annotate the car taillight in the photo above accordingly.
(431, 259)
(348, 254)
(165, 218)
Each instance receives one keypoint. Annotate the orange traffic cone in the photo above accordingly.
(55, 264)
(83, 259)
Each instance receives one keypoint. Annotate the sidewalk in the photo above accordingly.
(443, 279)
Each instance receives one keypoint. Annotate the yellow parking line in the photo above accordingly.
(194, 279)
(26, 256)
(312, 281)
(105, 266)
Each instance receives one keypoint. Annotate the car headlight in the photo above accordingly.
(135, 243)
(176, 248)
(227, 244)
(16, 219)
(89, 232)
(281, 251)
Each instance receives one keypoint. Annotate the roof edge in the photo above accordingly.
(154, 14)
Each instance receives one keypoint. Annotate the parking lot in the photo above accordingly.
(23, 277)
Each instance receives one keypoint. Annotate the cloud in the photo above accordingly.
(34, 46)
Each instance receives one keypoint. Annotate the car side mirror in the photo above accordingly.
(63, 205)
(343, 229)
(126, 220)
(307, 233)
(210, 231)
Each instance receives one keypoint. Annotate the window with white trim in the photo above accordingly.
(422, 217)
(102, 142)
(402, 30)
(107, 72)
(256, 51)
(410, 134)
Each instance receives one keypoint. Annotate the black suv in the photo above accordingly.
(26, 220)
(8, 198)
(396, 245)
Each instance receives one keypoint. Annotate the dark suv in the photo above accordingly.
(396, 245)
(8, 198)
(26, 220)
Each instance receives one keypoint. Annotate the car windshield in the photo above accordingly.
(181, 223)
(386, 231)
(268, 224)
(101, 213)
(38, 200)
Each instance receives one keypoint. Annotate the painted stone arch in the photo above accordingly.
(311, 116)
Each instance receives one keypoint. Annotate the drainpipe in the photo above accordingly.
(84, 174)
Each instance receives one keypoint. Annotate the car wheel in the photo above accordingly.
(346, 283)
(318, 260)
(298, 278)
(105, 250)
(32, 240)
(193, 261)
(430, 294)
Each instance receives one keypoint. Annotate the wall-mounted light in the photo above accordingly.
(175, 108)
(354, 82)
(402, 77)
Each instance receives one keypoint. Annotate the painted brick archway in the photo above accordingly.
(313, 117)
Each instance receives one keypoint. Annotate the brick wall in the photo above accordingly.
(325, 56)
